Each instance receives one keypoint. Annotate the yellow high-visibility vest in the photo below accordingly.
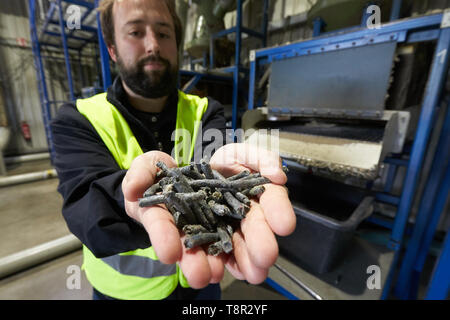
(137, 274)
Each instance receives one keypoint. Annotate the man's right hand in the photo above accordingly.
(199, 268)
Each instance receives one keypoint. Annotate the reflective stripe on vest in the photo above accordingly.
(137, 274)
(139, 266)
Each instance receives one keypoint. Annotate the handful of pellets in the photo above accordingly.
(205, 205)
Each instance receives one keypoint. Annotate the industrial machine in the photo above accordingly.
(325, 112)
(331, 110)
(210, 20)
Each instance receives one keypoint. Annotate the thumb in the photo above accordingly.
(142, 173)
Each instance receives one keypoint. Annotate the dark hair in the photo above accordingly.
(107, 20)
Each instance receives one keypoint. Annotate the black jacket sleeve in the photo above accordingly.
(90, 183)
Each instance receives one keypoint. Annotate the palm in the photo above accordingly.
(255, 247)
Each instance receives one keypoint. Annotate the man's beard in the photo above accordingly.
(149, 84)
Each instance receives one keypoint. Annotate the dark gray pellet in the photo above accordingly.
(192, 196)
(238, 208)
(240, 175)
(225, 240)
(154, 189)
(194, 229)
(152, 200)
(255, 191)
(243, 198)
(219, 209)
(214, 249)
(206, 169)
(180, 221)
(208, 212)
(180, 205)
(199, 239)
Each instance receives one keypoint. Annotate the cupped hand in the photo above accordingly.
(199, 268)
(255, 246)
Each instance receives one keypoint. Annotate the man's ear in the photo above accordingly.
(112, 52)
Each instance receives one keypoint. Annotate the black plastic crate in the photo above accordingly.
(318, 241)
(327, 213)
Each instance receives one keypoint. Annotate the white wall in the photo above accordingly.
(19, 81)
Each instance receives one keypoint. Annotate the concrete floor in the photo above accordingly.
(30, 215)
(52, 281)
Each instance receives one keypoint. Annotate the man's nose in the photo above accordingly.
(152, 43)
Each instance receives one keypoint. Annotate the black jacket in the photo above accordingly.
(90, 179)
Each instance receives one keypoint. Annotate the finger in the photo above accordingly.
(233, 268)
(252, 273)
(142, 172)
(233, 158)
(195, 267)
(277, 209)
(216, 265)
(259, 238)
(163, 233)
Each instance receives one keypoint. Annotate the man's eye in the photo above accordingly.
(164, 35)
(134, 33)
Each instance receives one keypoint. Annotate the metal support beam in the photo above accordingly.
(48, 17)
(191, 84)
(318, 26)
(237, 63)
(85, 4)
(82, 27)
(440, 282)
(55, 34)
(427, 218)
(42, 85)
(395, 11)
(66, 50)
(104, 55)
(365, 15)
(432, 97)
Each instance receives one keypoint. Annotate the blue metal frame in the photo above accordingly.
(66, 50)
(395, 10)
(41, 83)
(37, 46)
(104, 55)
(197, 76)
(237, 68)
(431, 207)
(280, 289)
(425, 28)
(440, 281)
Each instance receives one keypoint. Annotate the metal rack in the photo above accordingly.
(55, 34)
(421, 29)
(237, 68)
(431, 208)
(440, 282)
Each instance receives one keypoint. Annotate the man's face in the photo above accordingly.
(145, 48)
